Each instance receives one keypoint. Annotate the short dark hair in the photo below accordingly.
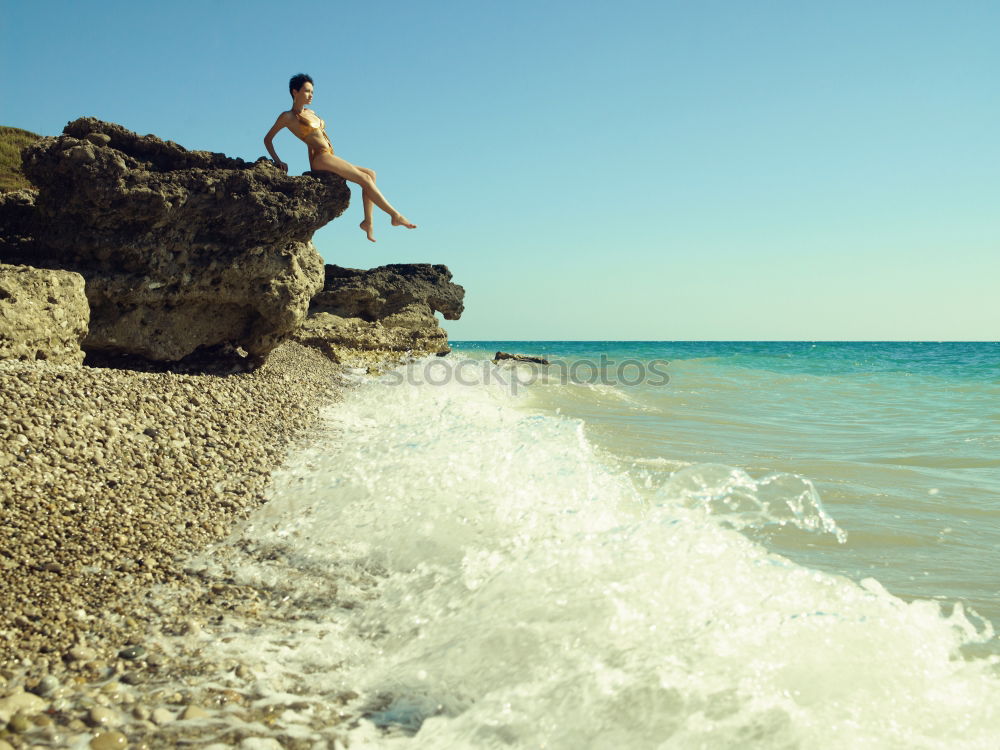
(297, 82)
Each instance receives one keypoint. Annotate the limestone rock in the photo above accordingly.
(43, 314)
(385, 308)
(180, 249)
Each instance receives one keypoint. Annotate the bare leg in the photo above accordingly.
(348, 171)
(366, 225)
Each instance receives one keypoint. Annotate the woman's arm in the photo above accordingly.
(281, 122)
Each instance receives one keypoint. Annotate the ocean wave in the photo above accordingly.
(508, 586)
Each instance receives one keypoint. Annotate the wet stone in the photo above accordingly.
(161, 716)
(46, 686)
(100, 716)
(132, 652)
(194, 712)
(109, 741)
(82, 653)
(21, 702)
(19, 723)
(260, 743)
(110, 688)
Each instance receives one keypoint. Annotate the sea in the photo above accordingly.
(647, 545)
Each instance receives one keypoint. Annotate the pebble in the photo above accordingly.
(21, 702)
(82, 653)
(260, 743)
(230, 696)
(109, 741)
(194, 712)
(111, 688)
(145, 504)
(132, 652)
(19, 723)
(75, 434)
(161, 716)
(100, 716)
(47, 685)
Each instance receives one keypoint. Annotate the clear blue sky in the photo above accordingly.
(625, 170)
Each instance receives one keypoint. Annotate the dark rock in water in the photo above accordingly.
(131, 652)
(519, 358)
(385, 308)
(180, 249)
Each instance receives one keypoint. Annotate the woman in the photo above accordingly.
(312, 130)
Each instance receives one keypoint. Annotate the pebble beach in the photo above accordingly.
(112, 480)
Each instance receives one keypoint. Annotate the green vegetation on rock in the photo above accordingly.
(12, 140)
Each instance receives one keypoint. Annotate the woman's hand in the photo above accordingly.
(281, 122)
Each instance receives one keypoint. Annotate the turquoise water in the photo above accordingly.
(902, 441)
(762, 545)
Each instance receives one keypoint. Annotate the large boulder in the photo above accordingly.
(389, 308)
(43, 314)
(180, 249)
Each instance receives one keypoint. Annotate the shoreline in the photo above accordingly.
(116, 480)
(296, 630)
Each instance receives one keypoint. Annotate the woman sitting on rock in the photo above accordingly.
(312, 130)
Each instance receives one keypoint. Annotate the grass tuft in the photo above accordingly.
(12, 140)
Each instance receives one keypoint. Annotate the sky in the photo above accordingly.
(656, 170)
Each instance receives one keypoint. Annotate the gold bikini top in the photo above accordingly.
(307, 127)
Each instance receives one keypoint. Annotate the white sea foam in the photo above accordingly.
(515, 590)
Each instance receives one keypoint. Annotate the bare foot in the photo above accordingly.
(400, 221)
(366, 227)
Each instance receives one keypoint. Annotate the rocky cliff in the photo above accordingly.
(180, 250)
(183, 252)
